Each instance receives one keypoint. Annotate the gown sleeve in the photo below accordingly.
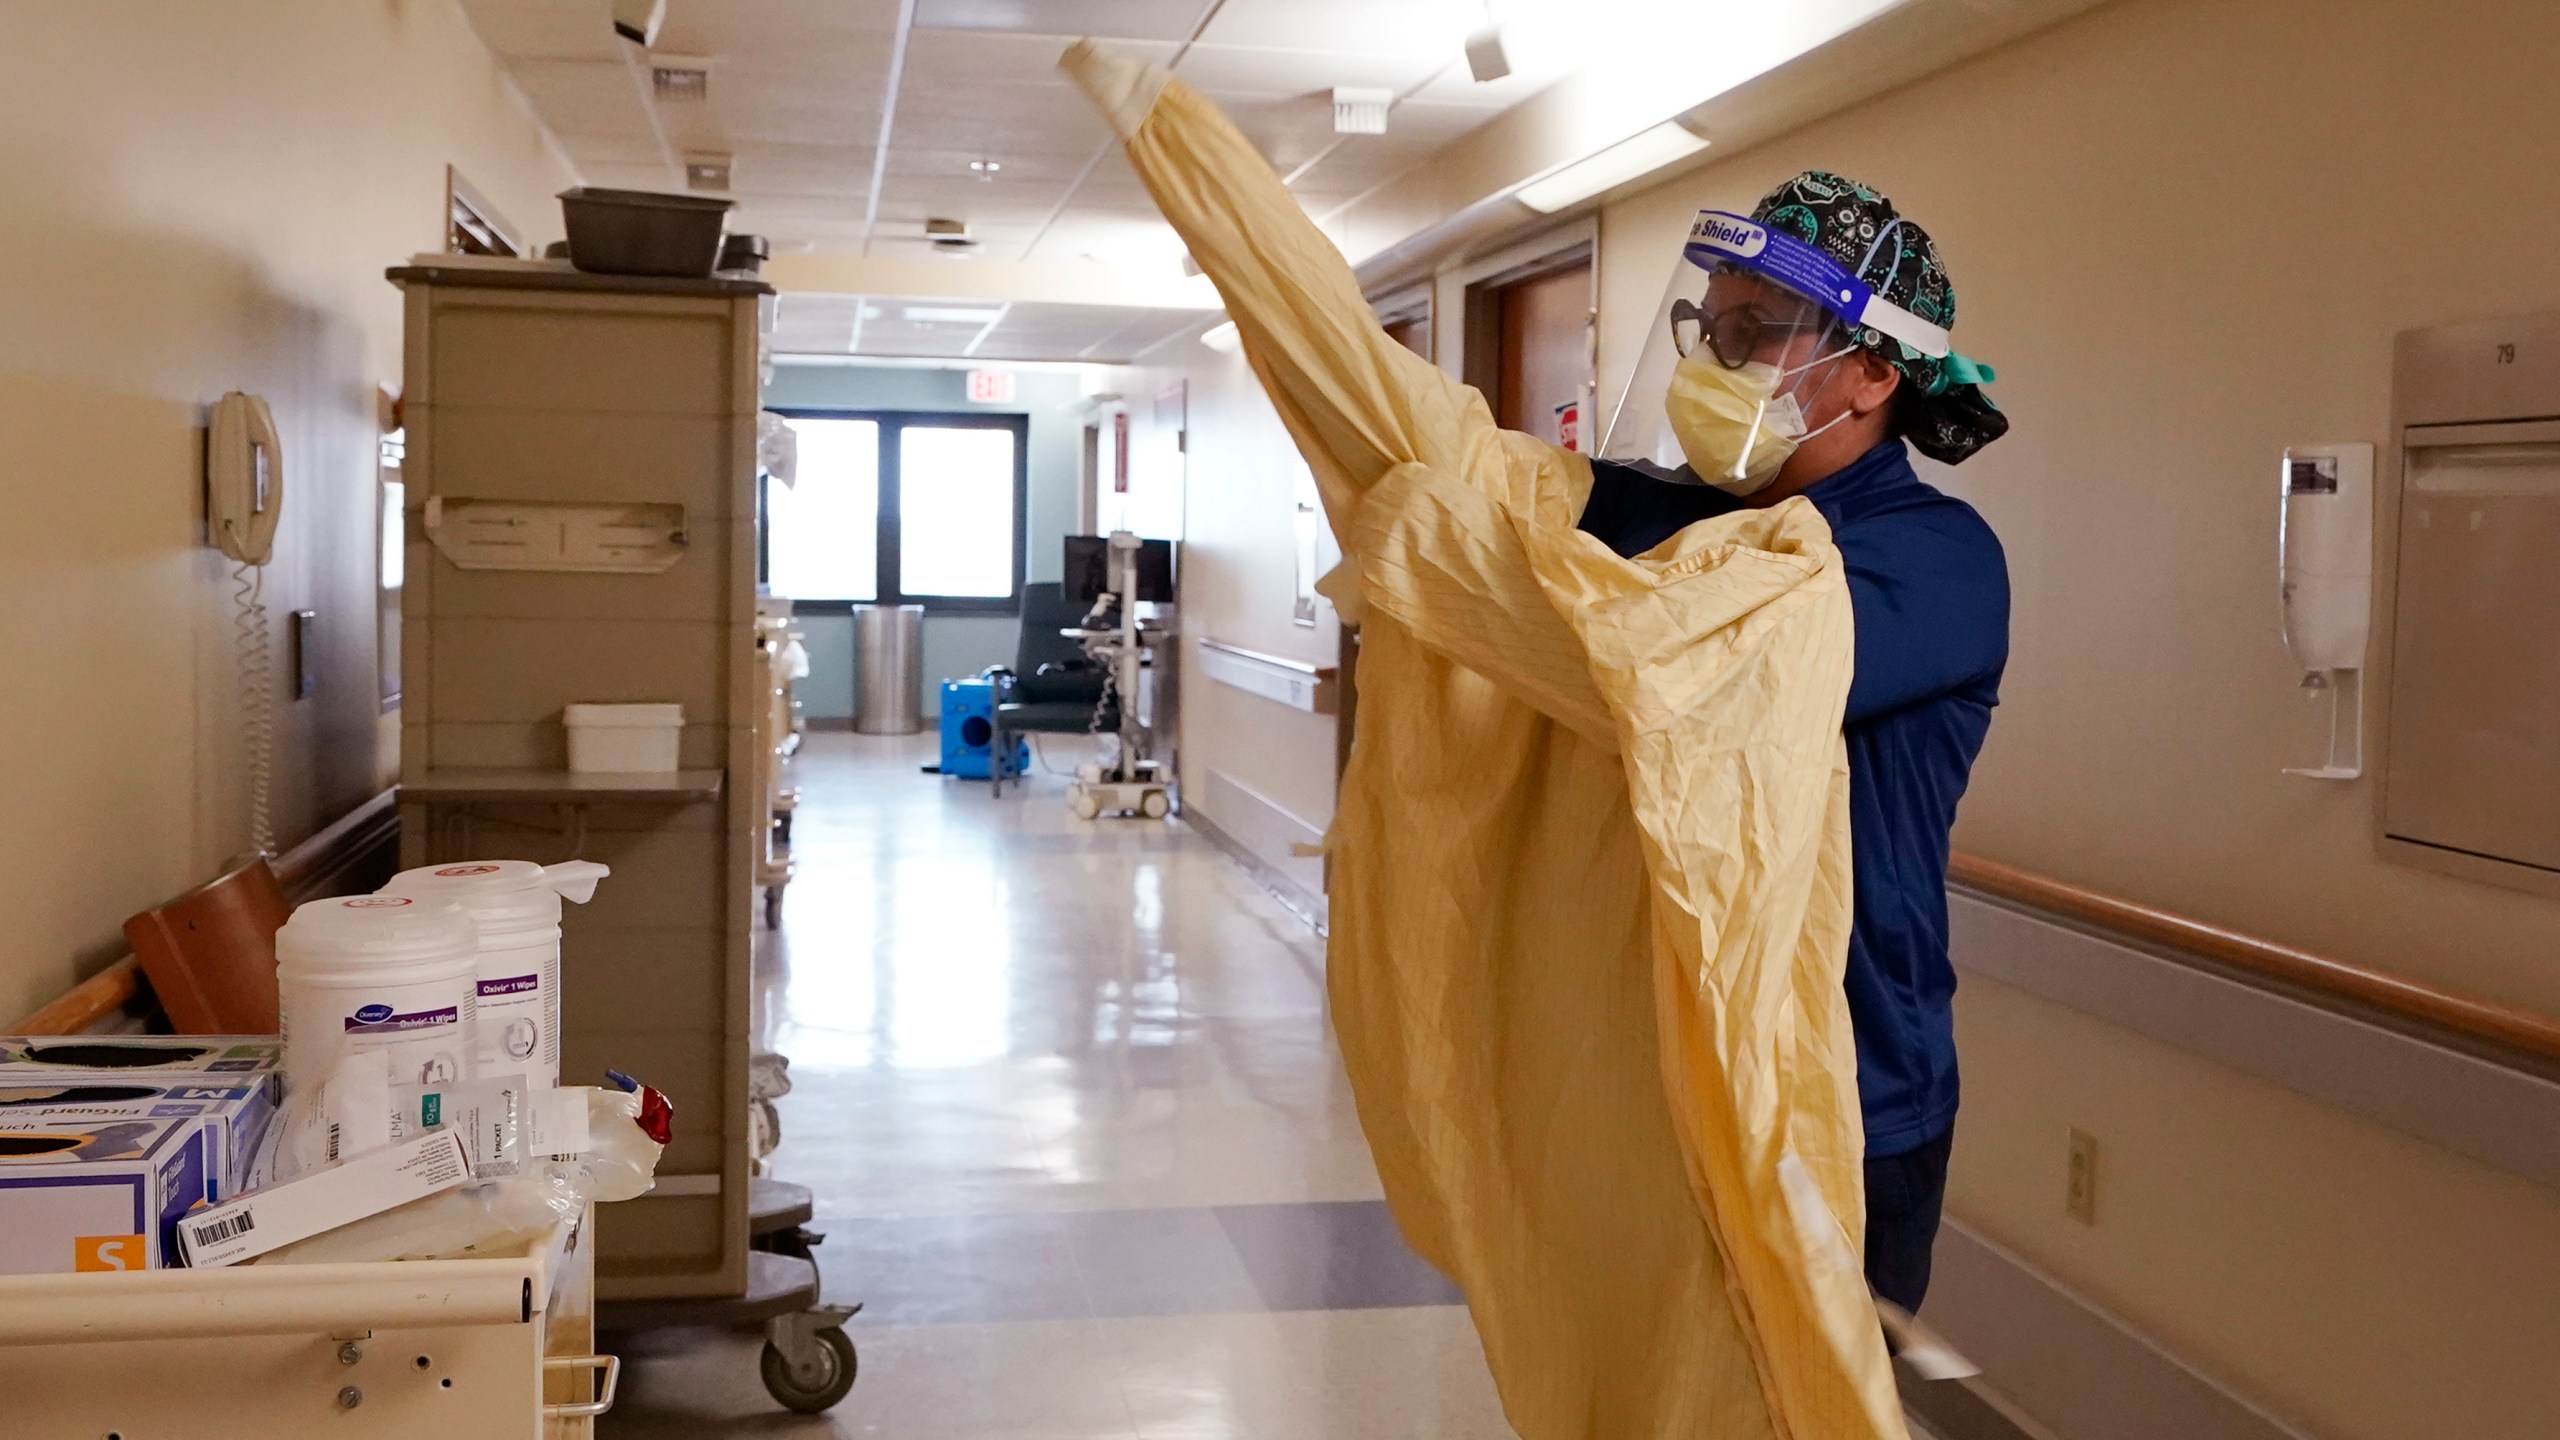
(1429, 500)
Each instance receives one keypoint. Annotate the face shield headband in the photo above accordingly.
(1720, 237)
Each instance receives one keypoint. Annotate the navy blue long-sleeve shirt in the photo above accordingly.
(1929, 592)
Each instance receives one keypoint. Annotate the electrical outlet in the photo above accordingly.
(2080, 1190)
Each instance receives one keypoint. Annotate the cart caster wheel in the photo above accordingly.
(1085, 803)
(828, 1377)
(773, 907)
(1156, 806)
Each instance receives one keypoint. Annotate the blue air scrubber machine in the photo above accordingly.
(969, 731)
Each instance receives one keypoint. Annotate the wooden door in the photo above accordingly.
(1542, 345)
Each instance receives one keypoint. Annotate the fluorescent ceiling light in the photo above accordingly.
(1222, 337)
(951, 314)
(1639, 154)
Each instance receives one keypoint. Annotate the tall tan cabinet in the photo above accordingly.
(581, 528)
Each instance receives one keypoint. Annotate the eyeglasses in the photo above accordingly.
(1736, 334)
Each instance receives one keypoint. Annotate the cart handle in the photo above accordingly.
(611, 1365)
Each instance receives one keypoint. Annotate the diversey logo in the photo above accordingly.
(1730, 233)
(373, 1014)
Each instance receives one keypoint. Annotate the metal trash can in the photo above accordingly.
(888, 669)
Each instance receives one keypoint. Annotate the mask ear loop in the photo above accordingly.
(1892, 231)
(1750, 439)
(1833, 359)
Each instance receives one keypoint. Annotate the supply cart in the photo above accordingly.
(581, 513)
(776, 739)
(498, 1347)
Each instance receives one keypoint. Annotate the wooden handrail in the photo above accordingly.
(88, 1002)
(303, 870)
(2372, 990)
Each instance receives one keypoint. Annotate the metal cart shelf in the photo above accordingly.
(414, 1350)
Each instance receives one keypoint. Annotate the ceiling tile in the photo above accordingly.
(1431, 30)
(782, 27)
(1128, 19)
(630, 177)
(544, 29)
(807, 172)
(987, 57)
(1222, 70)
(583, 97)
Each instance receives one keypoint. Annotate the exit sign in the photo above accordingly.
(990, 387)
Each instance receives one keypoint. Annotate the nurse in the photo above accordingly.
(1807, 350)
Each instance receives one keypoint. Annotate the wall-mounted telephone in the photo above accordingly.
(244, 478)
(244, 497)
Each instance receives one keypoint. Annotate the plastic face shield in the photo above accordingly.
(1800, 288)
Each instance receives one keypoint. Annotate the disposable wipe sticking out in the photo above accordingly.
(325, 1199)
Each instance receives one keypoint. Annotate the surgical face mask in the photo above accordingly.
(1733, 426)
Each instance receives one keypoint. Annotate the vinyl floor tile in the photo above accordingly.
(1068, 1104)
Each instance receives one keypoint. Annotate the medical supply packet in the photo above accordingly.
(102, 1195)
(236, 1110)
(325, 1199)
(507, 1122)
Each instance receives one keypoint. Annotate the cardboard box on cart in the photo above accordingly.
(235, 1110)
(106, 1196)
(136, 1059)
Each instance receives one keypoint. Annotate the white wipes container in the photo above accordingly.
(515, 906)
(391, 973)
(623, 739)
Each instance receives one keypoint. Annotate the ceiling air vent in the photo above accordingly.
(707, 172)
(949, 236)
(680, 82)
(1360, 112)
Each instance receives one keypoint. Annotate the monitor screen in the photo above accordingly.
(1088, 569)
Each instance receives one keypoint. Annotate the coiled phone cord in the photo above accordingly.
(254, 653)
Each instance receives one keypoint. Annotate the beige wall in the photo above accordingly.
(1239, 584)
(2185, 232)
(199, 196)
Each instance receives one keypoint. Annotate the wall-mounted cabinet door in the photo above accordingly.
(2475, 676)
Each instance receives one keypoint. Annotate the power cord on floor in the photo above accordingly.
(1040, 757)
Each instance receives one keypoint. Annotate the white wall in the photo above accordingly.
(1259, 770)
(199, 196)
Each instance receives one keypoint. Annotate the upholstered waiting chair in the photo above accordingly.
(211, 953)
(1055, 686)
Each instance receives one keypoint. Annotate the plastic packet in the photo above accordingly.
(628, 1127)
(617, 1159)
(347, 1112)
(490, 1218)
(494, 1117)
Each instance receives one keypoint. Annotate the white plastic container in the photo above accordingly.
(515, 907)
(390, 973)
(623, 739)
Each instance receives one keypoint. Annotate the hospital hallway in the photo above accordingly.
(852, 719)
(1079, 1140)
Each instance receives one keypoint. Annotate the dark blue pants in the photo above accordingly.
(1904, 1193)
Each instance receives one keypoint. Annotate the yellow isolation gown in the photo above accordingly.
(1590, 892)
